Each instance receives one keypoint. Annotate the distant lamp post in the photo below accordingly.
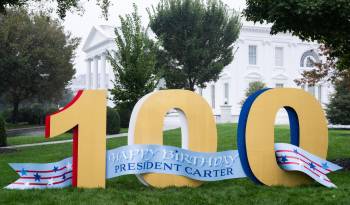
(225, 116)
(226, 101)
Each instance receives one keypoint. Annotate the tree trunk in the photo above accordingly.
(191, 85)
(15, 107)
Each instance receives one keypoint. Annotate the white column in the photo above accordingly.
(103, 71)
(95, 74)
(88, 74)
(316, 91)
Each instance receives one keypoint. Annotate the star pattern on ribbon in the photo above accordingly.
(37, 177)
(312, 166)
(284, 159)
(55, 169)
(23, 172)
(325, 165)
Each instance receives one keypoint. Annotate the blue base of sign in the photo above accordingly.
(293, 125)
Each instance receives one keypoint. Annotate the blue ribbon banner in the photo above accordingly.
(141, 159)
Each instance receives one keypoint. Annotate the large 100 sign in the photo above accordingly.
(258, 156)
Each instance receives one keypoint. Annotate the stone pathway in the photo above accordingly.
(169, 123)
(26, 131)
(58, 142)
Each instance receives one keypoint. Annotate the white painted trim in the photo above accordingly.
(132, 124)
(133, 118)
(184, 129)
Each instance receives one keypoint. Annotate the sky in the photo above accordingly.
(80, 25)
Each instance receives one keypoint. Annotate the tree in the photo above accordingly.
(113, 121)
(134, 64)
(67, 96)
(3, 136)
(197, 40)
(338, 110)
(62, 5)
(35, 58)
(252, 88)
(317, 20)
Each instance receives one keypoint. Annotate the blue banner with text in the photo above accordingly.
(140, 159)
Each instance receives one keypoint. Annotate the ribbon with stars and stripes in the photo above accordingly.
(293, 158)
(41, 176)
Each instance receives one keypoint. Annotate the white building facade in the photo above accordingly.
(276, 60)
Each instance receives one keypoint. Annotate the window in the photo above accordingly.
(311, 90)
(107, 81)
(309, 58)
(279, 85)
(279, 56)
(252, 55)
(226, 93)
(213, 96)
(309, 62)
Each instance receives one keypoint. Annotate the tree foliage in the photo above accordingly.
(35, 58)
(318, 20)
(252, 88)
(134, 63)
(338, 110)
(197, 40)
(113, 121)
(3, 136)
(62, 5)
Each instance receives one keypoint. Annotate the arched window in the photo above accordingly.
(309, 62)
(308, 59)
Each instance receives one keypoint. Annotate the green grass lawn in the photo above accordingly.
(127, 189)
(19, 125)
(19, 140)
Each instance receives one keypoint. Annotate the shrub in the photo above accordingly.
(6, 115)
(124, 111)
(252, 88)
(3, 136)
(113, 121)
(33, 115)
(338, 110)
